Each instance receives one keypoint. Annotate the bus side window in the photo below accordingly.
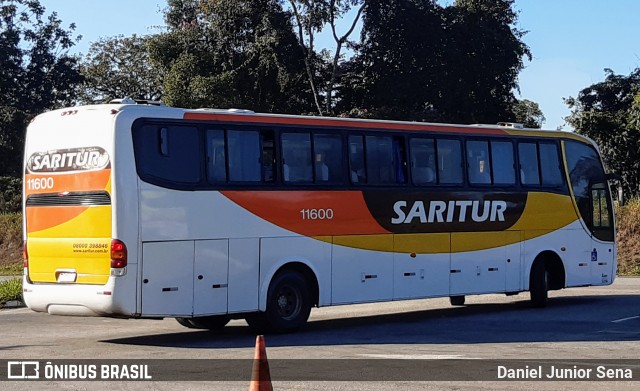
(379, 159)
(601, 214)
(399, 160)
(502, 163)
(356, 160)
(385, 160)
(550, 164)
(449, 161)
(268, 156)
(478, 162)
(528, 159)
(216, 157)
(296, 157)
(423, 161)
(327, 149)
(244, 155)
(168, 153)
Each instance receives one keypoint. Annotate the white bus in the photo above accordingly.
(143, 211)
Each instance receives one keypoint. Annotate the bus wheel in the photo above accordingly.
(539, 285)
(214, 322)
(288, 304)
(186, 322)
(456, 300)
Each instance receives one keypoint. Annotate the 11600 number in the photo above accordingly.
(316, 214)
(40, 183)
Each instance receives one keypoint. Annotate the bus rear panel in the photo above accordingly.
(68, 213)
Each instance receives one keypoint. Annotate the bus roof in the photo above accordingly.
(241, 116)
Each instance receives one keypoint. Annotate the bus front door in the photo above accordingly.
(602, 242)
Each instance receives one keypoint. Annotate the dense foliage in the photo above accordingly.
(415, 59)
(119, 67)
(10, 194)
(36, 73)
(230, 53)
(528, 113)
(609, 113)
(420, 61)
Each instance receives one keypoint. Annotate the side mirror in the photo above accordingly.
(612, 176)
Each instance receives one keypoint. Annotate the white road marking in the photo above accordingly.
(419, 356)
(623, 319)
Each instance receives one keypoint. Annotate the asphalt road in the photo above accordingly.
(585, 327)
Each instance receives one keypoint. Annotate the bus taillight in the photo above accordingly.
(118, 254)
(25, 255)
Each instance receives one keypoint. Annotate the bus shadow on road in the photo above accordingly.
(566, 319)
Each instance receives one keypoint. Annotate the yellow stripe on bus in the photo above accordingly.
(368, 242)
(95, 222)
(546, 211)
(436, 243)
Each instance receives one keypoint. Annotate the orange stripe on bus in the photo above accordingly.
(311, 213)
(339, 123)
(73, 181)
(40, 218)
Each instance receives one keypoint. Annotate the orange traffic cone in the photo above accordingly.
(260, 376)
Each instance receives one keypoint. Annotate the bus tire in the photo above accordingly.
(456, 300)
(186, 322)
(539, 285)
(288, 304)
(214, 322)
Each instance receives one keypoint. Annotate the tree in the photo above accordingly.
(227, 53)
(13, 122)
(609, 113)
(119, 67)
(311, 17)
(528, 113)
(485, 54)
(398, 63)
(420, 61)
(36, 73)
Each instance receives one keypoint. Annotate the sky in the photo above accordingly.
(572, 41)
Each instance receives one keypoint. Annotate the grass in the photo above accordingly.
(11, 269)
(628, 222)
(10, 290)
(11, 244)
